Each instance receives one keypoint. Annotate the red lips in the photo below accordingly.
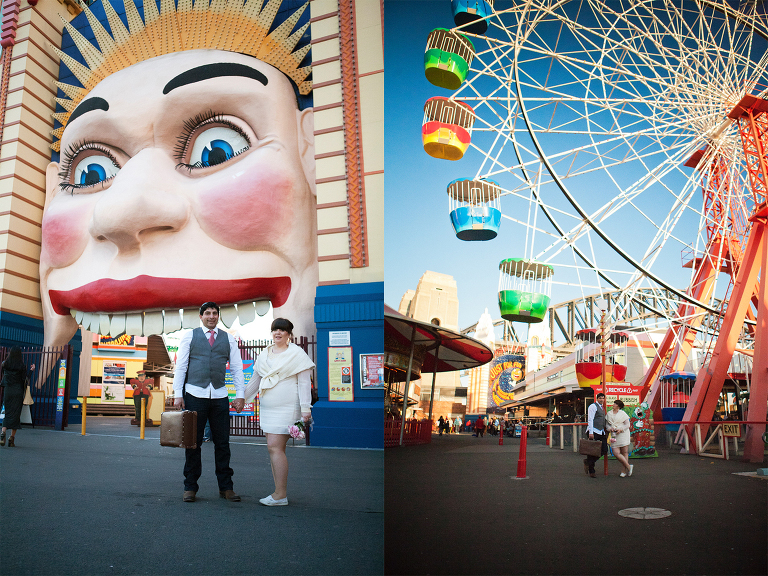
(150, 293)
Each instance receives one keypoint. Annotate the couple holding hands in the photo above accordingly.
(281, 377)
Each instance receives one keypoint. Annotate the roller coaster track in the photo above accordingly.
(567, 318)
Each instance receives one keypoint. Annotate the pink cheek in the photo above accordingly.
(65, 234)
(248, 212)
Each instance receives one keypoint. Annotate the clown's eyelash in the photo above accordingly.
(191, 125)
(69, 155)
(190, 167)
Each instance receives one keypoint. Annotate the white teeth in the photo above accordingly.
(262, 307)
(228, 315)
(191, 318)
(246, 312)
(133, 324)
(117, 326)
(172, 321)
(104, 324)
(153, 322)
(164, 321)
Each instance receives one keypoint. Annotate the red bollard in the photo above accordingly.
(523, 449)
(501, 435)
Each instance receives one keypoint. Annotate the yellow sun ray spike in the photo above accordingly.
(230, 25)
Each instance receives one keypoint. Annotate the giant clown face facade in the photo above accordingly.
(184, 177)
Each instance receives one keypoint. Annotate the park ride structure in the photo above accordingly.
(473, 206)
(472, 15)
(638, 131)
(525, 289)
(447, 58)
(447, 128)
(674, 394)
(589, 357)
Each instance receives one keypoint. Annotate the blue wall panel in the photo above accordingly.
(359, 309)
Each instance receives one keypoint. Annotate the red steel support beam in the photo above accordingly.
(710, 379)
(754, 448)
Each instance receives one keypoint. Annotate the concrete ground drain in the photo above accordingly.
(645, 513)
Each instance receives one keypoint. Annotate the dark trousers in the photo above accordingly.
(592, 459)
(137, 404)
(216, 412)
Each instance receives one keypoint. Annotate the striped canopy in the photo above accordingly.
(455, 351)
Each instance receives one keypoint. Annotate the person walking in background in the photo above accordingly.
(617, 422)
(440, 425)
(15, 381)
(457, 424)
(480, 427)
(282, 377)
(198, 385)
(596, 431)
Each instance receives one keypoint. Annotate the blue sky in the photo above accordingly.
(419, 235)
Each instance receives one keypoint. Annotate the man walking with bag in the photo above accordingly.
(201, 366)
(596, 431)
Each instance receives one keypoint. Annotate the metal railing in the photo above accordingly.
(415, 432)
(691, 440)
(44, 382)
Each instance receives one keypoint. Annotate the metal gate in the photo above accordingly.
(44, 381)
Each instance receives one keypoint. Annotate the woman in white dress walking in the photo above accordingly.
(618, 425)
(282, 378)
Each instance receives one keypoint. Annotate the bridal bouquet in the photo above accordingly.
(297, 430)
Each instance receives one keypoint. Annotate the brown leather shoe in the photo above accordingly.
(189, 496)
(592, 475)
(229, 495)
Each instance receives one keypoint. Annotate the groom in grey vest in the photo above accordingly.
(596, 431)
(198, 385)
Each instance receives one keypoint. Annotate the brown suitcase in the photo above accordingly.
(178, 429)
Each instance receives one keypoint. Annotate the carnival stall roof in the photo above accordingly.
(412, 346)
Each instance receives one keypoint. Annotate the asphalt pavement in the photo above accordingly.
(456, 506)
(110, 503)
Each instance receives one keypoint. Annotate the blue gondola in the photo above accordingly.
(471, 15)
(474, 209)
(675, 391)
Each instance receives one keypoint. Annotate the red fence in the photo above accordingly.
(416, 432)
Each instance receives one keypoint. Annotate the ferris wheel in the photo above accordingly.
(603, 135)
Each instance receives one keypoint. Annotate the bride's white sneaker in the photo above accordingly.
(269, 501)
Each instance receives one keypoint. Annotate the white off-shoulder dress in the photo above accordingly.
(619, 420)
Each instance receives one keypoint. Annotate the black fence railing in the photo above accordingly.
(44, 381)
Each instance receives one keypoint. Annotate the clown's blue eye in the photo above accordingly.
(93, 170)
(216, 146)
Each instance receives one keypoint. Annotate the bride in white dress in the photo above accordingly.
(281, 377)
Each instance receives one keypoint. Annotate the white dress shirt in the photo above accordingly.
(182, 363)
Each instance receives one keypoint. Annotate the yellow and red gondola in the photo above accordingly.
(589, 365)
(446, 129)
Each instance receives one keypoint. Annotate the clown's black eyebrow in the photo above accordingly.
(208, 71)
(88, 105)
